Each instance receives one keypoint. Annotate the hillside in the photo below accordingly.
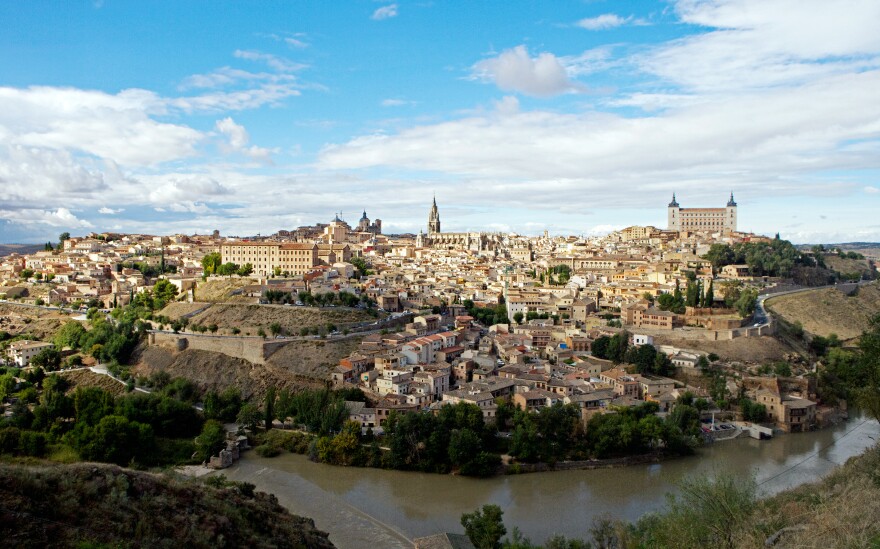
(87, 378)
(23, 249)
(222, 289)
(250, 318)
(313, 358)
(88, 504)
(39, 323)
(849, 267)
(756, 350)
(841, 510)
(827, 311)
(216, 371)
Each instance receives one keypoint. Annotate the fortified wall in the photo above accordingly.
(252, 349)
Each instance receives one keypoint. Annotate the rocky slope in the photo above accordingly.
(92, 505)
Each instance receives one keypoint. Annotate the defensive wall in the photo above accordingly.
(252, 349)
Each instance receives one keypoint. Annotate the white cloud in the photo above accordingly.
(508, 104)
(753, 141)
(61, 217)
(238, 140)
(385, 12)
(759, 44)
(109, 211)
(601, 22)
(268, 94)
(276, 62)
(116, 127)
(228, 76)
(516, 70)
(871, 190)
(295, 42)
(392, 102)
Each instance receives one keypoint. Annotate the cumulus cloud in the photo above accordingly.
(61, 217)
(238, 139)
(601, 22)
(757, 44)
(785, 134)
(385, 12)
(118, 127)
(515, 70)
(109, 211)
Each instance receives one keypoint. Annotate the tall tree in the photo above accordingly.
(484, 527)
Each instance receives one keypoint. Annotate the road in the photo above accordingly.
(761, 317)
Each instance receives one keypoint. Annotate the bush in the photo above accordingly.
(266, 450)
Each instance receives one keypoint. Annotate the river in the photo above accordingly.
(363, 507)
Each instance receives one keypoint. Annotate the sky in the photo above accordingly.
(577, 117)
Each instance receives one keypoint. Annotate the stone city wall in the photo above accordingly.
(252, 349)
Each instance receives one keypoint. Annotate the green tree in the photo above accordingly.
(49, 359)
(485, 527)
(464, 446)
(211, 262)
(69, 335)
(249, 416)
(275, 328)
(211, 440)
(270, 407)
(745, 304)
(518, 317)
(113, 439)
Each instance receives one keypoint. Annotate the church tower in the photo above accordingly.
(434, 219)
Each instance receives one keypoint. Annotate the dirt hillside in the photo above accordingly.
(827, 311)
(178, 309)
(87, 378)
(756, 350)
(221, 289)
(40, 323)
(314, 359)
(847, 266)
(216, 371)
(250, 318)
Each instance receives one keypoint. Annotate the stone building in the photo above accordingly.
(473, 241)
(722, 220)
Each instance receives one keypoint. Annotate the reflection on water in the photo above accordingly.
(373, 507)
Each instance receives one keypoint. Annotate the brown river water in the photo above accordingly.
(375, 508)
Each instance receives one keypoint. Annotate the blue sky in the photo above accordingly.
(574, 117)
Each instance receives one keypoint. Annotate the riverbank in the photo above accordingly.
(519, 468)
(360, 505)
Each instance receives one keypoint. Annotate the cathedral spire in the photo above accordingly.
(434, 218)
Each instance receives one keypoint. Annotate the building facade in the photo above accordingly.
(290, 257)
(714, 220)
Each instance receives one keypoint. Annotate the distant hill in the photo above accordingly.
(96, 505)
(7, 249)
(870, 250)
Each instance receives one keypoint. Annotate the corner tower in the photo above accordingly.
(673, 215)
(434, 219)
(730, 215)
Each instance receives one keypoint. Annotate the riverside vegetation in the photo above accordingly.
(457, 439)
(725, 512)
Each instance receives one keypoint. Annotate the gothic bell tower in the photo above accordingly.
(434, 219)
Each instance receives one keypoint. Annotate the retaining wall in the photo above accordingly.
(252, 349)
